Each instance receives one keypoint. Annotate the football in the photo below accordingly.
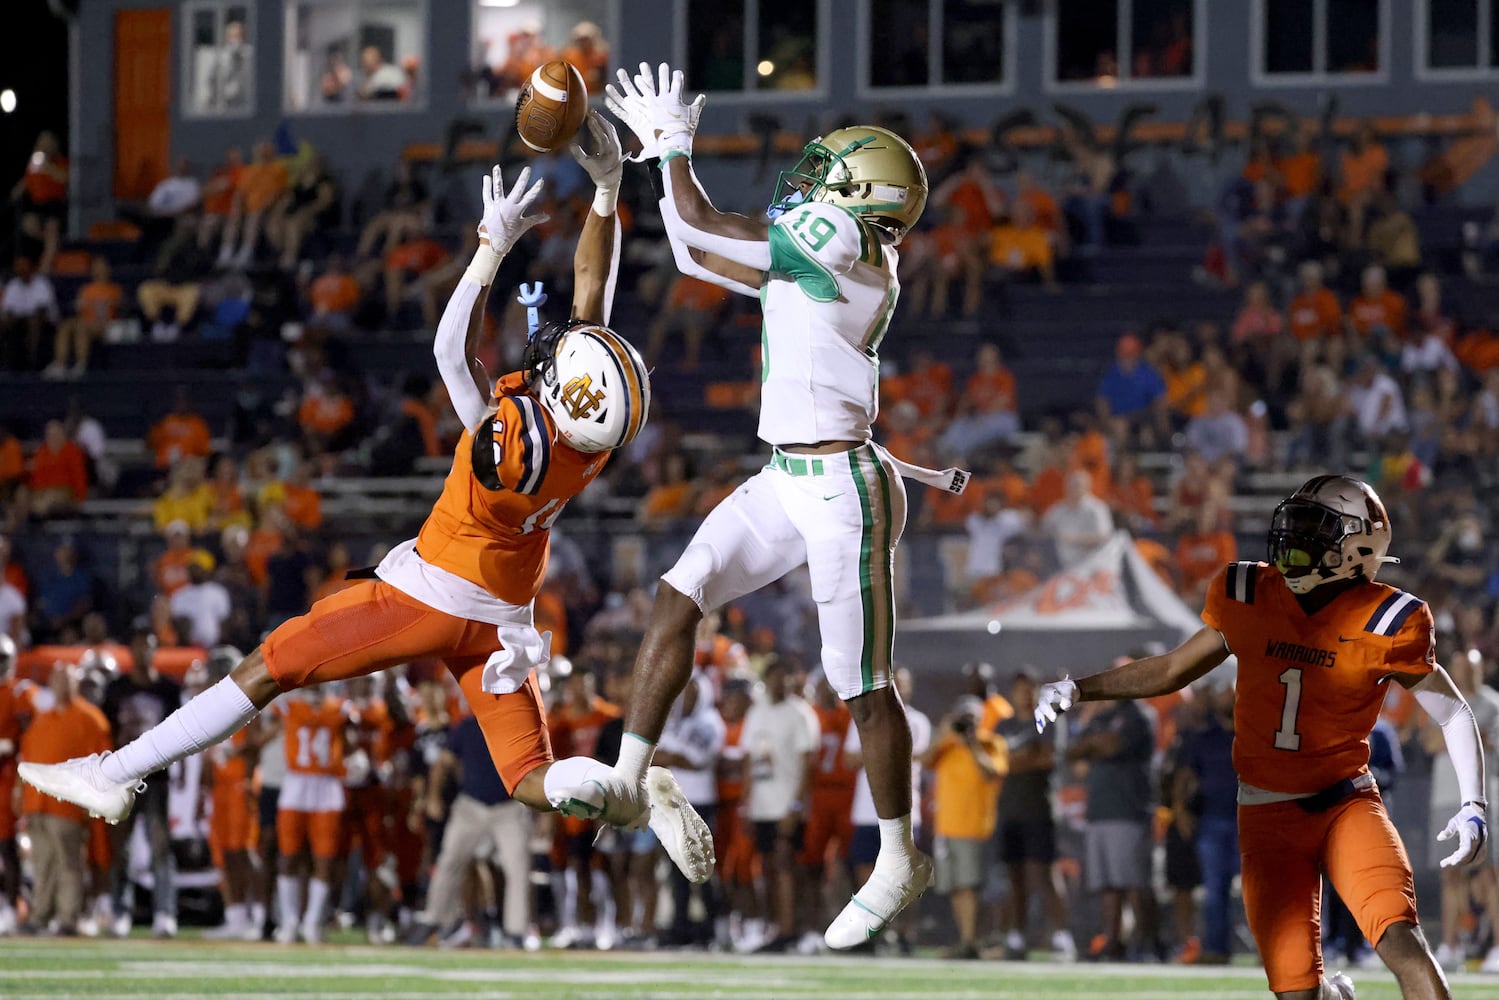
(551, 106)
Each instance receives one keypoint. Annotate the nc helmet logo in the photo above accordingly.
(581, 399)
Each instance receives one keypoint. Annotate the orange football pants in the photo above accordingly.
(7, 798)
(364, 824)
(1286, 850)
(372, 626)
(830, 820)
(738, 863)
(322, 831)
(229, 827)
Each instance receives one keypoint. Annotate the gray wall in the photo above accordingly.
(355, 142)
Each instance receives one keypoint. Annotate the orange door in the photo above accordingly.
(143, 100)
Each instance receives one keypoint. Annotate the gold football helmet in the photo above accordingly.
(868, 170)
(1333, 528)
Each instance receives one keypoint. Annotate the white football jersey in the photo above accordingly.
(827, 301)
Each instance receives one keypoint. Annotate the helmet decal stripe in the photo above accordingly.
(631, 403)
(630, 377)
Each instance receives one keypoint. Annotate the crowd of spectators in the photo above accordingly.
(1346, 353)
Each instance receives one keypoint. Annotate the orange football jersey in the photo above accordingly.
(315, 736)
(230, 767)
(15, 701)
(731, 765)
(491, 524)
(830, 773)
(1310, 687)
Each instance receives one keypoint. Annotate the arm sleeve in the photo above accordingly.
(751, 253)
(450, 348)
(1441, 700)
(682, 254)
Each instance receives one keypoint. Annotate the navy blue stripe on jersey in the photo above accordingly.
(1392, 613)
(535, 448)
(1239, 582)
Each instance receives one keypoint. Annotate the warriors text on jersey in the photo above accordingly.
(827, 302)
(1310, 686)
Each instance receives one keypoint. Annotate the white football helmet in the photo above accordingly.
(593, 383)
(1333, 528)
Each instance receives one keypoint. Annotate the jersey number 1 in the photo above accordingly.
(1286, 737)
(817, 234)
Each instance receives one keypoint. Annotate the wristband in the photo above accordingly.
(668, 155)
(482, 269)
(605, 200)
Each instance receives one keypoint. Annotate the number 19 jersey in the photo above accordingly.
(1310, 687)
(827, 302)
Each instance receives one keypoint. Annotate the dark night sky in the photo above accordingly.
(33, 63)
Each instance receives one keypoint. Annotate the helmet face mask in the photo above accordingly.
(870, 171)
(1333, 528)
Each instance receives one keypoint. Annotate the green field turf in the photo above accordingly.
(188, 969)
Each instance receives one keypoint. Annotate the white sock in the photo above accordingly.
(234, 915)
(317, 898)
(257, 915)
(566, 779)
(896, 845)
(212, 717)
(289, 896)
(635, 753)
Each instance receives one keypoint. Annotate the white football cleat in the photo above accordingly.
(871, 909)
(80, 782)
(1340, 982)
(687, 839)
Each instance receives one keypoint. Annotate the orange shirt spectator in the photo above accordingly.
(179, 434)
(325, 413)
(928, 384)
(1477, 350)
(264, 542)
(905, 444)
(1009, 486)
(304, 506)
(1186, 388)
(71, 729)
(1050, 486)
(59, 468)
(988, 392)
(1201, 554)
(1020, 248)
(1315, 314)
(334, 293)
(46, 182)
(688, 292)
(1091, 454)
(1363, 167)
(1387, 311)
(417, 256)
(99, 301)
(261, 183)
(1256, 321)
(669, 500)
(951, 510)
(170, 569)
(1135, 498)
(1159, 558)
(12, 460)
(965, 799)
(1300, 173)
(1043, 206)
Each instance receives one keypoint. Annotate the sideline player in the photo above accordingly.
(824, 267)
(1316, 639)
(480, 558)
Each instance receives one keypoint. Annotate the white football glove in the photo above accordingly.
(603, 159)
(505, 219)
(1472, 832)
(630, 106)
(675, 122)
(1052, 700)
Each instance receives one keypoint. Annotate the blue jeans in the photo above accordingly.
(1218, 854)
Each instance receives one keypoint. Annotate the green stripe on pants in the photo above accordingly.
(886, 598)
(866, 590)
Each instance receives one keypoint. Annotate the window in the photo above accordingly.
(937, 43)
(355, 54)
(218, 76)
(1297, 40)
(511, 41)
(1106, 43)
(754, 45)
(1458, 37)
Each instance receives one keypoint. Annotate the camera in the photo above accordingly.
(963, 725)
